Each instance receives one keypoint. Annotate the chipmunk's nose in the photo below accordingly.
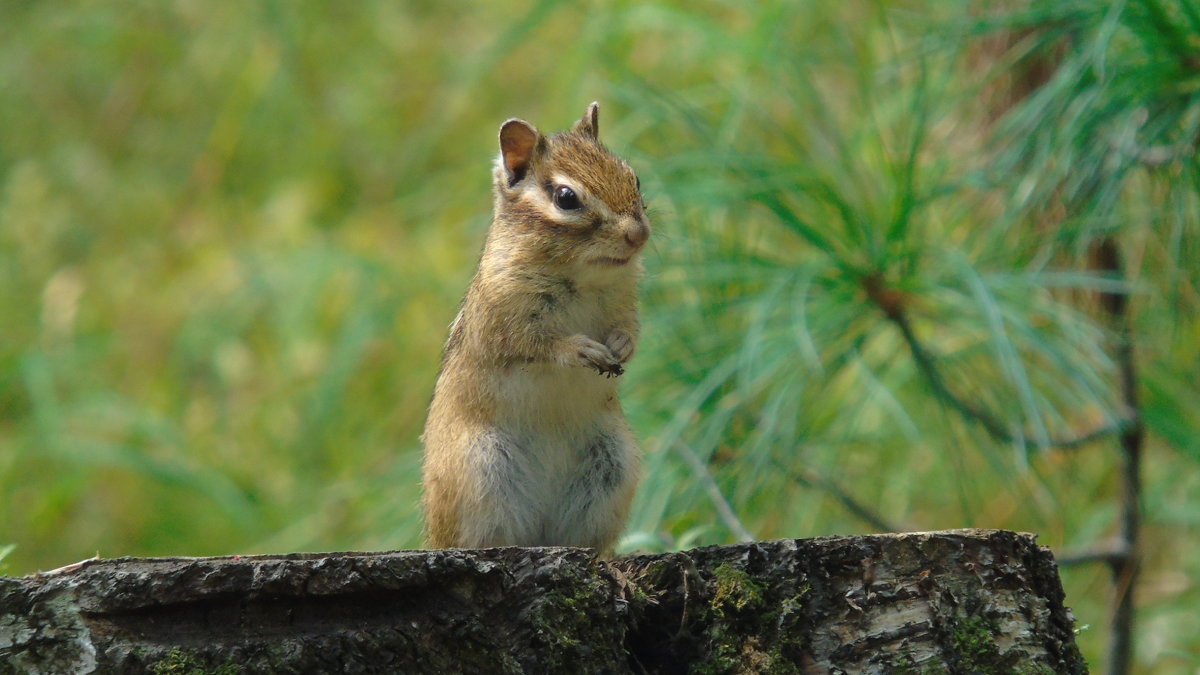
(636, 232)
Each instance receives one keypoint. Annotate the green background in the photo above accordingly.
(232, 235)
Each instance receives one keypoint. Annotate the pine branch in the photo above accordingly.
(724, 509)
(1125, 567)
(888, 301)
(1110, 554)
(812, 479)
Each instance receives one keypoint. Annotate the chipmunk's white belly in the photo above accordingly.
(553, 415)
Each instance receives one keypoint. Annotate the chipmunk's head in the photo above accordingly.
(568, 198)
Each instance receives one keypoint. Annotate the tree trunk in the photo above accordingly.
(962, 601)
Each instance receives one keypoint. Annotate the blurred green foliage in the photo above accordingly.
(232, 235)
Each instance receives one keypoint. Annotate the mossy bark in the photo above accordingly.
(969, 601)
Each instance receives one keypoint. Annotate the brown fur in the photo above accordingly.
(526, 443)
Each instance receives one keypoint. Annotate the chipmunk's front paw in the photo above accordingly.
(620, 344)
(585, 351)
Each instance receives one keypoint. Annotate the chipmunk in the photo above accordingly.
(526, 443)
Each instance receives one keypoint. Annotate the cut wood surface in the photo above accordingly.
(960, 601)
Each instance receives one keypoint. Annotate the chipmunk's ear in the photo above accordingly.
(519, 142)
(589, 125)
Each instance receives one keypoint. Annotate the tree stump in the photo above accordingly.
(961, 601)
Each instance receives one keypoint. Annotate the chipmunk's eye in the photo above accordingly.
(566, 199)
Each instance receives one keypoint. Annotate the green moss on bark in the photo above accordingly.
(182, 662)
